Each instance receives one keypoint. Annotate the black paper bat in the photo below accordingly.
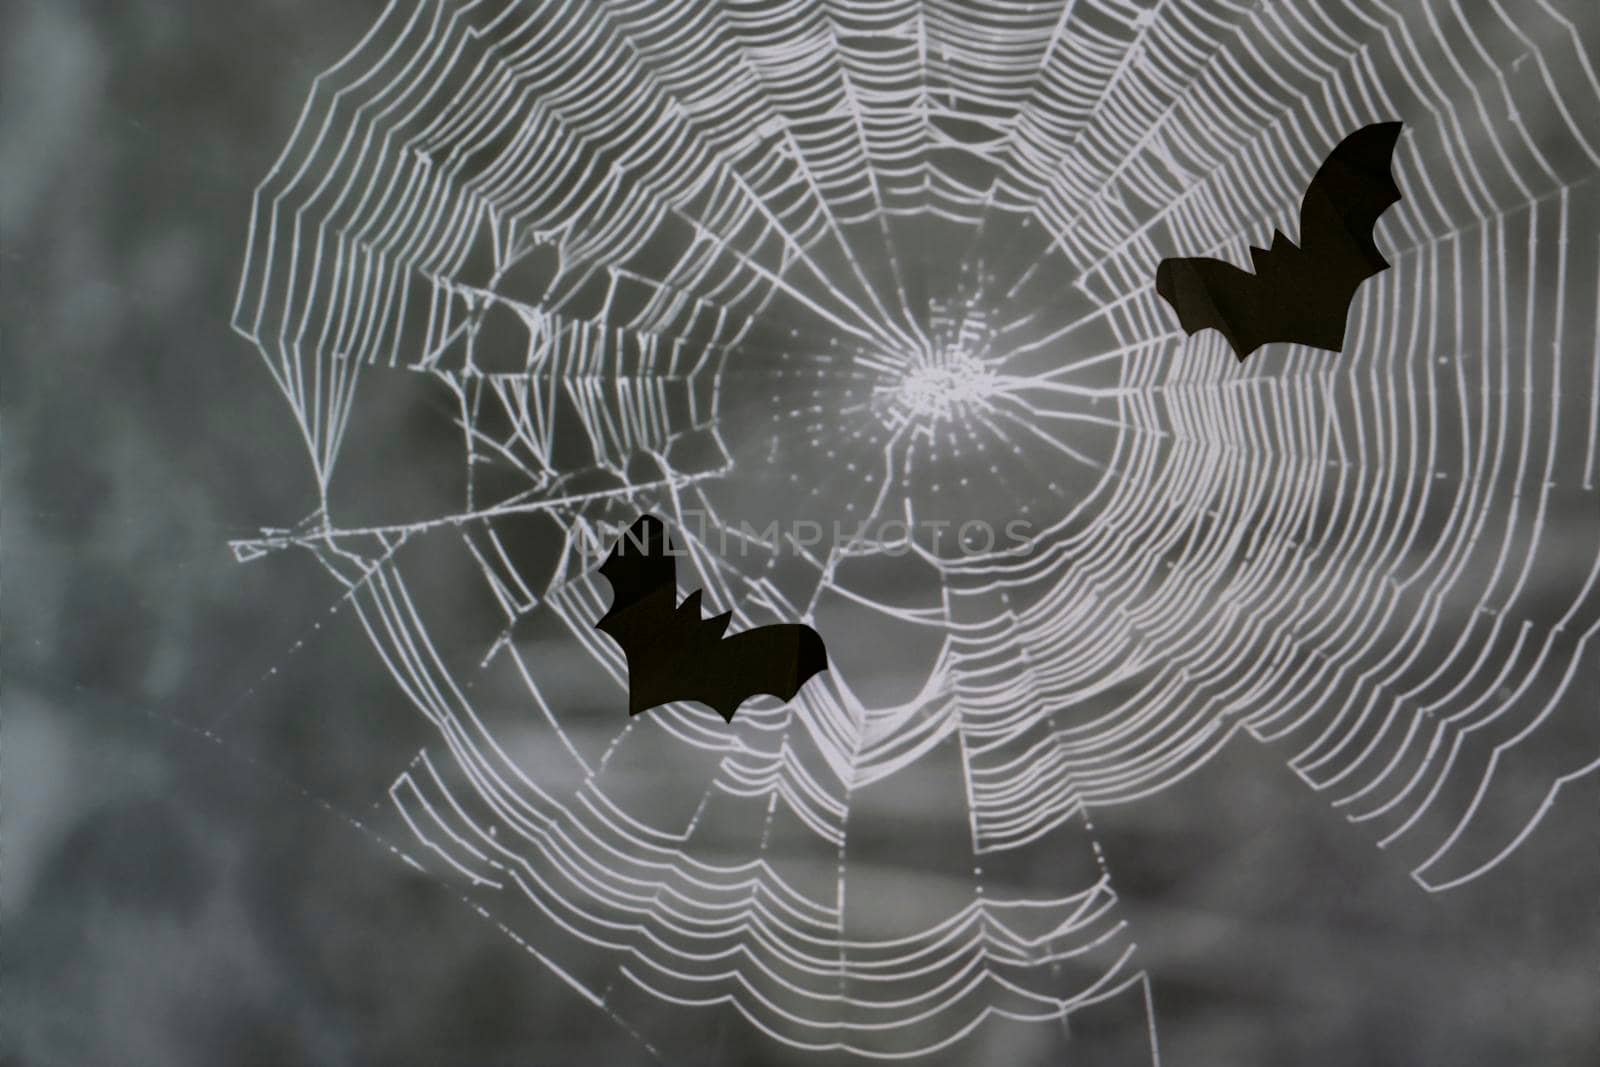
(1302, 293)
(674, 654)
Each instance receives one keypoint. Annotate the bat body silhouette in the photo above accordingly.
(674, 654)
(1298, 293)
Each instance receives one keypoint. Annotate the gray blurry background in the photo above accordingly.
(173, 898)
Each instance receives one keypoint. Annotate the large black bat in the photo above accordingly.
(1302, 293)
(674, 654)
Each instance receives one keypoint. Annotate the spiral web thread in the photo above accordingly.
(1353, 558)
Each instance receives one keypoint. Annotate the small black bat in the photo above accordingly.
(1303, 293)
(674, 654)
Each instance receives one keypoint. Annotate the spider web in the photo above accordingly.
(752, 266)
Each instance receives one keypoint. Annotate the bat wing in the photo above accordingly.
(639, 567)
(1348, 194)
(1211, 294)
(775, 660)
(643, 619)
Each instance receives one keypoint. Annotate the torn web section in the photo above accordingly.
(593, 405)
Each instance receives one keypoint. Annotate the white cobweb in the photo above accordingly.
(891, 262)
